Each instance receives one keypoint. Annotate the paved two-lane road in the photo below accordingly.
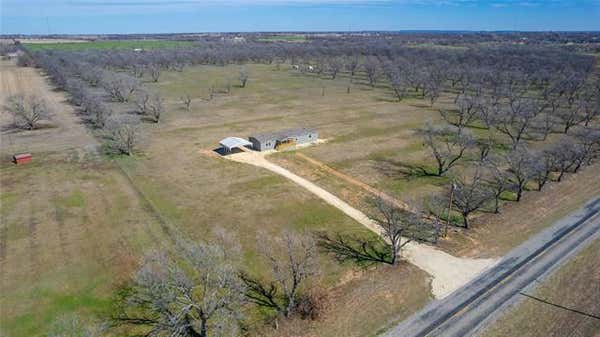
(468, 309)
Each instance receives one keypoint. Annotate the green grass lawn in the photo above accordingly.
(107, 44)
(71, 232)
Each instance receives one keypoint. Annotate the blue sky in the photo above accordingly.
(163, 16)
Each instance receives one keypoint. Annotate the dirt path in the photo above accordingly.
(64, 131)
(448, 272)
(354, 181)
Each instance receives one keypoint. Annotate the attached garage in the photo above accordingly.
(231, 143)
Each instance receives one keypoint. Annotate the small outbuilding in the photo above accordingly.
(22, 158)
(284, 138)
(231, 143)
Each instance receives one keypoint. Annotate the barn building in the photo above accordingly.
(283, 138)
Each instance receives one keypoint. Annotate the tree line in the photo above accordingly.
(521, 117)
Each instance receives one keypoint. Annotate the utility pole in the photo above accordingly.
(452, 187)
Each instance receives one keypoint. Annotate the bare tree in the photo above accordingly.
(469, 196)
(155, 107)
(544, 163)
(397, 226)
(197, 294)
(468, 111)
(497, 181)
(142, 98)
(187, 101)
(522, 168)
(352, 66)
(564, 156)
(371, 67)
(590, 106)
(588, 141)
(92, 75)
(243, 77)
(27, 112)
(334, 66)
(397, 81)
(398, 85)
(516, 119)
(122, 134)
(138, 70)
(433, 84)
(293, 261)
(99, 111)
(489, 108)
(155, 72)
(447, 145)
(120, 86)
(572, 115)
(485, 146)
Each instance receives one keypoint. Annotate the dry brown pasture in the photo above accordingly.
(371, 136)
(71, 226)
(575, 285)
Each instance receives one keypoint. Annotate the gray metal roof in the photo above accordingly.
(233, 142)
(283, 134)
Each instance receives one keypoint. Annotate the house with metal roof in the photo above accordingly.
(284, 138)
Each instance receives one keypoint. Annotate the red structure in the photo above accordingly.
(22, 158)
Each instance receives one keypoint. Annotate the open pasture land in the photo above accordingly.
(208, 191)
(71, 226)
(201, 193)
(50, 41)
(284, 37)
(370, 137)
(565, 304)
(72, 230)
(103, 44)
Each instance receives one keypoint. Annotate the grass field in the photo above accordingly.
(107, 44)
(195, 192)
(71, 226)
(95, 226)
(575, 285)
(201, 193)
(72, 229)
(284, 38)
(370, 137)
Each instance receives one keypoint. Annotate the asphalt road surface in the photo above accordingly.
(467, 310)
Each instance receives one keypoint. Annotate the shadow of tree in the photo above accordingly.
(396, 169)
(360, 250)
